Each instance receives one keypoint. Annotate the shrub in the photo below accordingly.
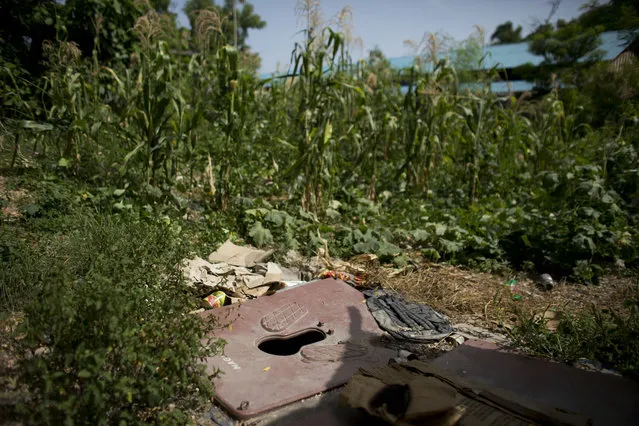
(108, 338)
(611, 338)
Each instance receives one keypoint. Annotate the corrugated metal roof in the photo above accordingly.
(498, 87)
(516, 54)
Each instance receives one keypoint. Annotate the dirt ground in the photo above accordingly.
(10, 210)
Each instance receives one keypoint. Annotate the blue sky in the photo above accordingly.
(388, 23)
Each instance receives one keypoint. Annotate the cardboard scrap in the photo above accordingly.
(203, 277)
(253, 281)
(237, 271)
(273, 273)
(239, 255)
(264, 290)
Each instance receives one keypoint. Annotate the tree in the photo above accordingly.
(232, 29)
(24, 25)
(616, 15)
(567, 44)
(107, 23)
(505, 33)
(191, 7)
(247, 19)
(160, 6)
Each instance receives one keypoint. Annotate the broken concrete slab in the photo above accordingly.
(239, 255)
(292, 345)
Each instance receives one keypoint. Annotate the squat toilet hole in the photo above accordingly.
(290, 345)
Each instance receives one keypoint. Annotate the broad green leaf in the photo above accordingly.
(260, 235)
(440, 229)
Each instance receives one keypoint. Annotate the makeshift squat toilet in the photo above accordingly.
(292, 345)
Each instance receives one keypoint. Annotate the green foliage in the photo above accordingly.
(106, 337)
(567, 44)
(129, 168)
(595, 334)
(606, 95)
(232, 25)
(32, 20)
(102, 27)
(614, 15)
(506, 33)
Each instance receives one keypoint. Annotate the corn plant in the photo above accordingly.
(321, 95)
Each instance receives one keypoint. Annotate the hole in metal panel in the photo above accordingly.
(290, 345)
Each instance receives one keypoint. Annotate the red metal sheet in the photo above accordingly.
(255, 381)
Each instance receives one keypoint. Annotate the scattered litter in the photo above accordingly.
(266, 368)
(273, 273)
(546, 282)
(512, 285)
(551, 318)
(270, 272)
(403, 320)
(469, 331)
(344, 276)
(312, 268)
(366, 258)
(239, 278)
(456, 339)
(239, 255)
(593, 365)
(203, 276)
(216, 299)
(264, 290)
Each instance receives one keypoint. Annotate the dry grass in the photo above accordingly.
(481, 298)
(14, 198)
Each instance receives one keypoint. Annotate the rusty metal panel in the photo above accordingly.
(328, 315)
(605, 398)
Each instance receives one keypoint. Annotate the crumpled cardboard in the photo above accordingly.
(237, 282)
(204, 277)
(239, 255)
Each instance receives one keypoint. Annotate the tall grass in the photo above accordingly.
(332, 129)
